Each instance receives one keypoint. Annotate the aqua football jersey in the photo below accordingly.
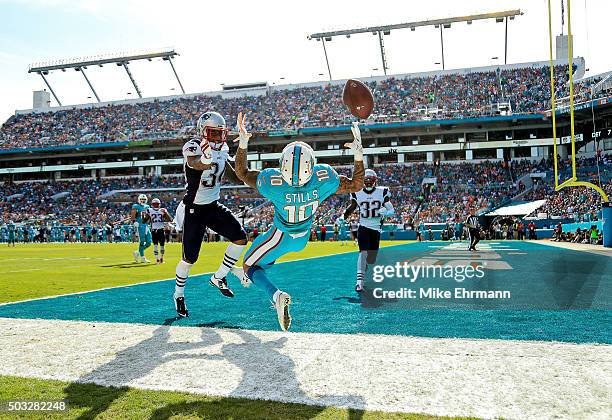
(294, 207)
(139, 209)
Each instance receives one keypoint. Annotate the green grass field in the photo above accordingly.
(38, 270)
(88, 401)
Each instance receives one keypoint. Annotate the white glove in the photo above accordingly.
(245, 281)
(136, 225)
(206, 157)
(382, 212)
(356, 146)
(243, 134)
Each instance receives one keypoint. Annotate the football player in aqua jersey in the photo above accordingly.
(295, 189)
(11, 234)
(143, 230)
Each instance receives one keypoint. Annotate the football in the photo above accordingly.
(358, 98)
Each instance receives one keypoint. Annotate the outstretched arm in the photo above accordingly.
(230, 174)
(354, 184)
(246, 175)
(350, 209)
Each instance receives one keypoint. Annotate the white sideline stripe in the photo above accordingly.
(168, 279)
(453, 377)
(593, 249)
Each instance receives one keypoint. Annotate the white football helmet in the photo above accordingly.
(142, 199)
(369, 179)
(212, 128)
(296, 163)
(155, 203)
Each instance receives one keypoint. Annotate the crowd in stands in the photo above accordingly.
(577, 203)
(397, 99)
(420, 192)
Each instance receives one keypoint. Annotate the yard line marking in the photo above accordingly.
(21, 271)
(168, 279)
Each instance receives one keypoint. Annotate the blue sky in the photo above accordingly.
(245, 41)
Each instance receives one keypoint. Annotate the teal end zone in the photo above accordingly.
(324, 302)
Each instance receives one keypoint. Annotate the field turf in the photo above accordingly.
(88, 401)
(39, 270)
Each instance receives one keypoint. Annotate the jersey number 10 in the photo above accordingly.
(297, 214)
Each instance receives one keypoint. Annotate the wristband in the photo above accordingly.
(206, 159)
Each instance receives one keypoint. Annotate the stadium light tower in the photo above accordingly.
(437, 23)
(120, 59)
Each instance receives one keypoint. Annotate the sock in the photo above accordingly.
(361, 265)
(162, 250)
(232, 253)
(259, 278)
(141, 249)
(155, 250)
(182, 272)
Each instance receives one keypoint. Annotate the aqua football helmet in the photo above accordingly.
(142, 199)
(296, 163)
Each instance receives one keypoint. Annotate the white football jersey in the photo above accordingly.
(369, 204)
(156, 216)
(204, 187)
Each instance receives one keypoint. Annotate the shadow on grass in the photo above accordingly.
(267, 374)
(160, 405)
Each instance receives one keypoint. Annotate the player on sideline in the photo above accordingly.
(142, 229)
(472, 225)
(205, 163)
(10, 227)
(157, 215)
(295, 189)
(374, 204)
(341, 223)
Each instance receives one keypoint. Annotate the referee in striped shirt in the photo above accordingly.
(473, 230)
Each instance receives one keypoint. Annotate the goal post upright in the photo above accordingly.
(606, 209)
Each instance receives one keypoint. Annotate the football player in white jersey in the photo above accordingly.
(374, 204)
(157, 216)
(205, 163)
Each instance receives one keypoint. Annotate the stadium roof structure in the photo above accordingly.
(438, 23)
(120, 59)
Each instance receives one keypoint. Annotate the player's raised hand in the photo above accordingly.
(355, 145)
(206, 158)
(243, 134)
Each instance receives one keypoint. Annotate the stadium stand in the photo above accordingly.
(460, 95)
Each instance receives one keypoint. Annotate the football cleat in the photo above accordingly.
(282, 310)
(359, 287)
(144, 260)
(136, 256)
(180, 306)
(161, 260)
(221, 284)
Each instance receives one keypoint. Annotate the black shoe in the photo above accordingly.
(221, 284)
(181, 308)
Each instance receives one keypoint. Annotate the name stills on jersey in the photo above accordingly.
(295, 189)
